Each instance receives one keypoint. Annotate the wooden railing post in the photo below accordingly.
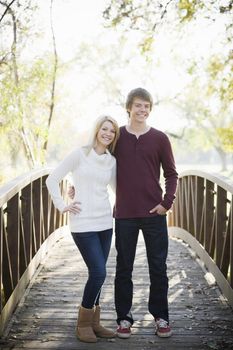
(198, 212)
(26, 227)
(220, 229)
(183, 208)
(209, 222)
(230, 230)
(2, 298)
(11, 246)
(37, 206)
(45, 211)
(191, 204)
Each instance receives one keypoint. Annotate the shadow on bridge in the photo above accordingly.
(200, 271)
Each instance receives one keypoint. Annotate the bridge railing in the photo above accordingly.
(202, 216)
(27, 220)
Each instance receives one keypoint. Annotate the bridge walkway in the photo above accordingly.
(46, 316)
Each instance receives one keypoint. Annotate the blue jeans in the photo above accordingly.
(155, 235)
(94, 248)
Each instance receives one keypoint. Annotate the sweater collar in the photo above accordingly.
(105, 160)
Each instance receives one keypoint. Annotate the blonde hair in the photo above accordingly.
(97, 127)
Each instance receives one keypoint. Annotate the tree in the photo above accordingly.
(27, 103)
(12, 63)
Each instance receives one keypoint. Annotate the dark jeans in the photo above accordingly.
(94, 248)
(155, 234)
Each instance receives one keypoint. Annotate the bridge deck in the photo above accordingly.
(46, 318)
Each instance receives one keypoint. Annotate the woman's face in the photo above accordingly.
(106, 134)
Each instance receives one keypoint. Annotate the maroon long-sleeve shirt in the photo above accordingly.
(139, 161)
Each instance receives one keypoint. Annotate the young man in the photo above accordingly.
(141, 152)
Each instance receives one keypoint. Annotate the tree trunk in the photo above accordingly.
(54, 76)
(223, 158)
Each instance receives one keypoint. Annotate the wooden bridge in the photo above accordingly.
(42, 274)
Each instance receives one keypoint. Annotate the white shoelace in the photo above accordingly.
(125, 324)
(161, 323)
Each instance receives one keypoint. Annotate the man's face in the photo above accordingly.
(139, 110)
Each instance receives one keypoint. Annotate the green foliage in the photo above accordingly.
(142, 15)
(146, 44)
(147, 16)
(188, 8)
(226, 137)
(25, 106)
(117, 10)
(220, 71)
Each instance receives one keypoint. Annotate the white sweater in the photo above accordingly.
(92, 173)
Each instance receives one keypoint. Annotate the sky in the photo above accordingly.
(74, 21)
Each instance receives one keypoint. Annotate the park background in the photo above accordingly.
(65, 62)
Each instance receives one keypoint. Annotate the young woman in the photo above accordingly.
(93, 168)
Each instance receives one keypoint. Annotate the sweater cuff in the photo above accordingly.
(61, 207)
(167, 203)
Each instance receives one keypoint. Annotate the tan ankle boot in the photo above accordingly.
(99, 330)
(84, 326)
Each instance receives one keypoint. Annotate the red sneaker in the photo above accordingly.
(124, 329)
(162, 328)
